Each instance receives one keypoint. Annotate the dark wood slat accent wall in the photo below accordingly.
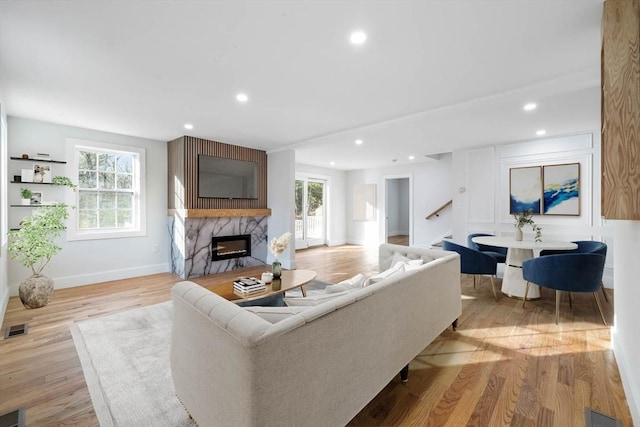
(183, 168)
(176, 173)
(621, 110)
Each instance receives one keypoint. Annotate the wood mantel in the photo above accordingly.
(218, 213)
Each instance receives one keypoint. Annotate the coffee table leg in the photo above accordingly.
(304, 290)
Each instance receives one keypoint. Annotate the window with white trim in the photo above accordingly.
(109, 200)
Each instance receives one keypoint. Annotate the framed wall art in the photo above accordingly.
(36, 197)
(525, 189)
(561, 190)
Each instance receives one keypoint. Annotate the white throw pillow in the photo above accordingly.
(355, 282)
(313, 300)
(398, 258)
(414, 264)
(275, 314)
(397, 268)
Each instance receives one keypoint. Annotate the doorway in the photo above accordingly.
(398, 218)
(310, 212)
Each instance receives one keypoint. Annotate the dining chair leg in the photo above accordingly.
(493, 289)
(570, 301)
(557, 305)
(526, 292)
(604, 292)
(474, 281)
(595, 295)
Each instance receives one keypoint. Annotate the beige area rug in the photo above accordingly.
(125, 359)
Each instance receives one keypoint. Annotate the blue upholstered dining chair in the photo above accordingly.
(584, 247)
(497, 252)
(565, 272)
(474, 262)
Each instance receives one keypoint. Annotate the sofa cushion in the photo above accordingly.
(275, 314)
(355, 282)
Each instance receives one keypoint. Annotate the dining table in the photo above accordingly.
(513, 284)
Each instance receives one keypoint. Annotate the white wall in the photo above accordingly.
(281, 175)
(336, 199)
(430, 188)
(4, 263)
(625, 335)
(92, 261)
(481, 188)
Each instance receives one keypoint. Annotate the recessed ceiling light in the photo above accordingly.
(412, 157)
(359, 142)
(188, 126)
(530, 106)
(332, 163)
(242, 97)
(541, 132)
(358, 37)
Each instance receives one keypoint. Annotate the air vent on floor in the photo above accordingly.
(16, 330)
(14, 418)
(597, 419)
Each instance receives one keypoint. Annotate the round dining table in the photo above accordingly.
(513, 285)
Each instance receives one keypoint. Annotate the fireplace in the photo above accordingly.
(227, 247)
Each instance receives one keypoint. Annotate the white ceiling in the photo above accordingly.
(433, 76)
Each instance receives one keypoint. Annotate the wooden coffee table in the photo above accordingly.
(290, 279)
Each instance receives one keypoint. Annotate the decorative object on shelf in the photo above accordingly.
(277, 246)
(25, 156)
(36, 197)
(27, 175)
(26, 194)
(33, 245)
(17, 178)
(41, 173)
(525, 218)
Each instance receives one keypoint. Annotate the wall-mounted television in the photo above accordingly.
(222, 178)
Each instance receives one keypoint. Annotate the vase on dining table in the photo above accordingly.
(518, 234)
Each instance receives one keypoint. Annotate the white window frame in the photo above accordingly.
(140, 205)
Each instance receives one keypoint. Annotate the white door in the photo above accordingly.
(310, 196)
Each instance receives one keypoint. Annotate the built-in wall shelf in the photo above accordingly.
(39, 160)
(38, 183)
(28, 206)
(218, 213)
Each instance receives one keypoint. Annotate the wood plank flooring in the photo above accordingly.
(504, 366)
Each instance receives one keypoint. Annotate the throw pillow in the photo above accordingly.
(414, 264)
(347, 285)
(397, 268)
(313, 300)
(398, 258)
(275, 314)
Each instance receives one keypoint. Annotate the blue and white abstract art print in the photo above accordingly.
(525, 189)
(561, 189)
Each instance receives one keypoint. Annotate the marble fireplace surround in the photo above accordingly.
(192, 230)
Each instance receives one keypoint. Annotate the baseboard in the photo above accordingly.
(632, 391)
(339, 242)
(102, 276)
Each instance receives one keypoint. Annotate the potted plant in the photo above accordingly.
(526, 218)
(34, 244)
(26, 194)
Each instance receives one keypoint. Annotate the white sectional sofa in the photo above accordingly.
(308, 366)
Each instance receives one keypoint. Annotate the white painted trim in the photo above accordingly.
(103, 276)
(73, 234)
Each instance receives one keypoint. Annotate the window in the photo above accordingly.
(109, 201)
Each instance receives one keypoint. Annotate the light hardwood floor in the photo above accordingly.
(504, 366)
